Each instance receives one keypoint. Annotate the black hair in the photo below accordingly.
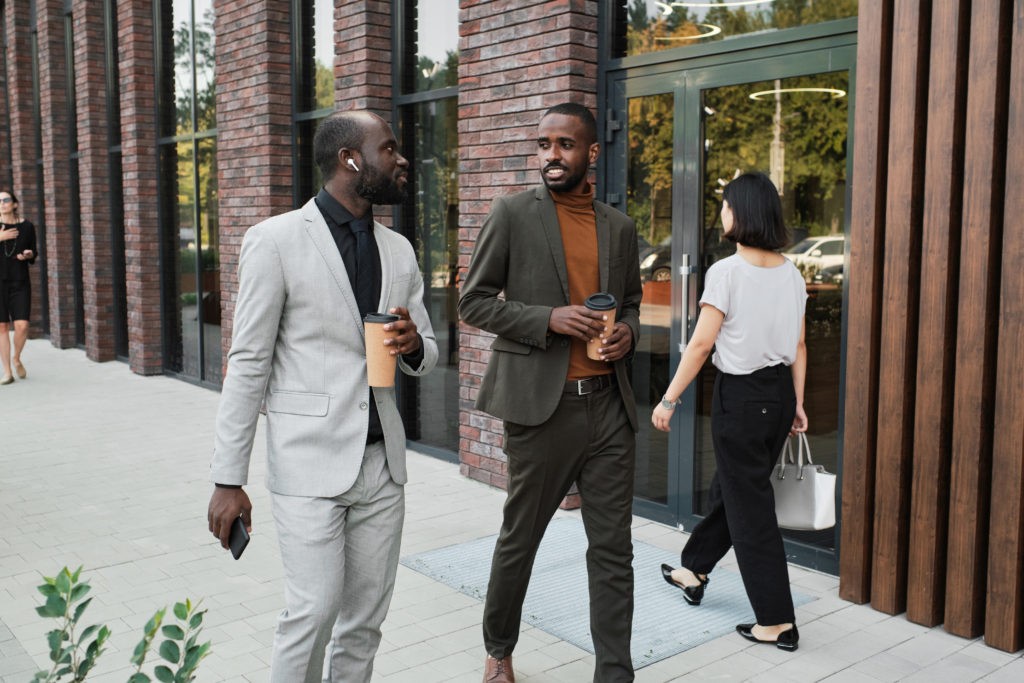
(756, 212)
(579, 112)
(341, 129)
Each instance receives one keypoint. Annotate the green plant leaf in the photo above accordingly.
(163, 674)
(173, 631)
(66, 670)
(169, 650)
(139, 678)
(79, 591)
(181, 610)
(74, 577)
(195, 654)
(88, 632)
(80, 610)
(55, 639)
(154, 623)
(54, 607)
(47, 589)
(64, 582)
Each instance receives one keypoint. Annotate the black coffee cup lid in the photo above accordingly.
(601, 301)
(380, 318)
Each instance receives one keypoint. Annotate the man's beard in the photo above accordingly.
(567, 182)
(377, 188)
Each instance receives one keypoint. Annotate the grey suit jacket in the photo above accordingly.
(520, 254)
(298, 344)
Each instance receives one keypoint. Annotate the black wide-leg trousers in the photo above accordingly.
(587, 440)
(751, 416)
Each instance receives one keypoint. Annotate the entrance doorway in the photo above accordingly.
(676, 133)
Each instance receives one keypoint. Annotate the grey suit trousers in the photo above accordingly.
(340, 558)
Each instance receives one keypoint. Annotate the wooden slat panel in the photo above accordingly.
(984, 172)
(940, 258)
(1004, 614)
(901, 270)
(867, 218)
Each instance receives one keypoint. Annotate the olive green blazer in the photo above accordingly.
(517, 275)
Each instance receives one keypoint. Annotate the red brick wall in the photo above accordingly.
(56, 171)
(513, 65)
(94, 183)
(139, 168)
(254, 135)
(362, 65)
(17, 26)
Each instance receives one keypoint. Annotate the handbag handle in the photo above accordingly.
(786, 456)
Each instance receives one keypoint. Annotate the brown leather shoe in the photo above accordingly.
(499, 670)
(20, 369)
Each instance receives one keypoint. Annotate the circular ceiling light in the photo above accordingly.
(712, 30)
(835, 92)
(667, 7)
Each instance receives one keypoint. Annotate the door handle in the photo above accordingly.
(685, 271)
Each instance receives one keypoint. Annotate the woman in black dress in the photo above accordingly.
(17, 251)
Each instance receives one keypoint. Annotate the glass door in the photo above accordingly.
(676, 139)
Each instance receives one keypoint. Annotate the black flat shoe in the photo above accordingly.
(692, 594)
(786, 640)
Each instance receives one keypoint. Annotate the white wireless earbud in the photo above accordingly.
(353, 166)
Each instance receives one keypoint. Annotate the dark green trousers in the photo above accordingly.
(587, 440)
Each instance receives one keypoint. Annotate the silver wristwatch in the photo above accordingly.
(667, 404)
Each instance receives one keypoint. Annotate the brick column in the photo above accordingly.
(94, 179)
(254, 137)
(17, 28)
(513, 65)
(362, 58)
(139, 171)
(57, 198)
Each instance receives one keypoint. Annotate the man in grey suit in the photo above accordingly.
(335, 447)
(567, 417)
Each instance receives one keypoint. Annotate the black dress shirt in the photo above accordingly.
(338, 221)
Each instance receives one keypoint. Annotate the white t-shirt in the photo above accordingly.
(764, 310)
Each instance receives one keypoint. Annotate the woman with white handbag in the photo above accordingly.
(752, 313)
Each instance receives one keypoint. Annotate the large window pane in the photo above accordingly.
(433, 53)
(651, 25)
(649, 204)
(209, 261)
(794, 129)
(206, 102)
(430, 135)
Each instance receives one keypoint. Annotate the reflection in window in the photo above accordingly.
(646, 26)
(649, 204)
(188, 193)
(313, 90)
(429, 134)
(795, 130)
(434, 49)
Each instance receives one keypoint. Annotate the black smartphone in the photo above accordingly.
(239, 538)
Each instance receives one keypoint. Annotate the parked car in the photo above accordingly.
(656, 262)
(832, 275)
(814, 254)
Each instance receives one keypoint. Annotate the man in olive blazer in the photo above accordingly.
(567, 418)
(335, 447)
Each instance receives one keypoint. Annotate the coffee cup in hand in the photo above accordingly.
(604, 303)
(380, 364)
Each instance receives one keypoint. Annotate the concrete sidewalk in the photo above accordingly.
(106, 469)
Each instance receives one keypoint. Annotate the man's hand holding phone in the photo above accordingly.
(230, 518)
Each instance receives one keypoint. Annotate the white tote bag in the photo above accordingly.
(805, 494)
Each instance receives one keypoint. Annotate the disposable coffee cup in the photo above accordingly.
(605, 303)
(380, 364)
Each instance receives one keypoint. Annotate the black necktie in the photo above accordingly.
(364, 267)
